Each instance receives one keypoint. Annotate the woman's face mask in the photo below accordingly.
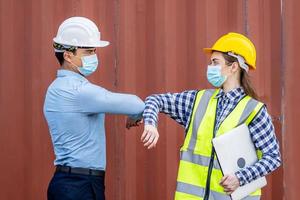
(214, 75)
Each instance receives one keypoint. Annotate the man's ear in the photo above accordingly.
(67, 56)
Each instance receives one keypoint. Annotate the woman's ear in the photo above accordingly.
(235, 67)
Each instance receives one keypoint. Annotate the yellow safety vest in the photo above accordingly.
(199, 171)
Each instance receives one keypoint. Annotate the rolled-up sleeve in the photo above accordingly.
(95, 99)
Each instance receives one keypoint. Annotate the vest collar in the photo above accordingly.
(232, 95)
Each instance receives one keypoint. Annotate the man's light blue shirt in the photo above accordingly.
(75, 109)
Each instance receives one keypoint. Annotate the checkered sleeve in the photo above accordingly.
(177, 105)
(264, 138)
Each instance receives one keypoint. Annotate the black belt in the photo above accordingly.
(82, 171)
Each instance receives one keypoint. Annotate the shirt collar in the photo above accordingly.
(64, 73)
(233, 94)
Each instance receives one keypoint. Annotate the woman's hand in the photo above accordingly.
(150, 136)
(230, 183)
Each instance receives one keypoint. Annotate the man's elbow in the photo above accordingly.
(138, 106)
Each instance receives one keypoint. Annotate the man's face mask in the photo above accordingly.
(89, 65)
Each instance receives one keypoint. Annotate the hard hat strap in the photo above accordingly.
(63, 48)
(241, 61)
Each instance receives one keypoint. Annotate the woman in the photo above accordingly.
(209, 113)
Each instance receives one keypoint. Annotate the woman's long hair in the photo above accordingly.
(245, 79)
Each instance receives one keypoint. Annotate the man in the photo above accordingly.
(74, 109)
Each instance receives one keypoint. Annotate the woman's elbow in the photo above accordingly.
(279, 161)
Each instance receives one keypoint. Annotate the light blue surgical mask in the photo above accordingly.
(89, 65)
(214, 75)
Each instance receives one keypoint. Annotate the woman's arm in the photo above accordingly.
(264, 138)
(177, 105)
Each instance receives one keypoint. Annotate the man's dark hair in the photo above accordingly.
(60, 56)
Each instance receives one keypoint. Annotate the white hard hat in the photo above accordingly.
(79, 32)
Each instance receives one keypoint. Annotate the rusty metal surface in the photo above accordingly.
(290, 106)
(156, 46)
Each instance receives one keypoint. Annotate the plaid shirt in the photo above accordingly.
(179, 107)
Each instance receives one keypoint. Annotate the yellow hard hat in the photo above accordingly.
(238, 44)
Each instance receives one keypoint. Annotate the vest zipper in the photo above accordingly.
(211, 163)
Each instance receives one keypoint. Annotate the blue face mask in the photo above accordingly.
(214, 75)
(89, 65)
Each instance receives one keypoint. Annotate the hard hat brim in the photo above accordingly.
(210, 50)
(207, 50)
(100, 43)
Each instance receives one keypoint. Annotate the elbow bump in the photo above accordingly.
(139, 104)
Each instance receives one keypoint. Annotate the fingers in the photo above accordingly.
(223, 179)
(149, 140)
(230, 183)
(228, 191)
(150, 136)
(144, 135)
(227, 188)
(154, 142)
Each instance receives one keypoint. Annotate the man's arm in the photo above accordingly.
(94, 99)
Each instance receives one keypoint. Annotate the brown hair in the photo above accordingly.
(245, 78)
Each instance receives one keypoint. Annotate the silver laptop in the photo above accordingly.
(235, 150)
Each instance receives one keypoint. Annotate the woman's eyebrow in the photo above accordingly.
(214, 59)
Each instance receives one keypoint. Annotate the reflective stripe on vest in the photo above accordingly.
(191, 192)
(196, 151)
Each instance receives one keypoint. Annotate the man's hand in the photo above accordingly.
(133, 122)
(230, 183)
(150, 136)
